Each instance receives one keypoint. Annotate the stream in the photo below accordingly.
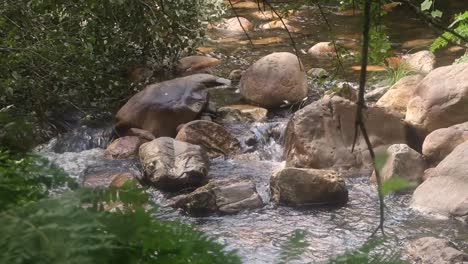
(260, 235)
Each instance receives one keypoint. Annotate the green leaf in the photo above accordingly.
(394, 184)
(436, 13)
(380, 160)
(426, 5)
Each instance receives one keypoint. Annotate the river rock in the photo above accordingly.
(142, 134)
(398, 96)
(374, 95)
(305, 187)
(110, 173)
(441, 98)
(278, 24)
(192, 64)
(108, 179)
(446, 191)
(215, 139)
(172, 165)
(123, 148)
(321, 135)
(232, 24)
(322, 50)
(161, 107)
(235, 75)
(220, 196)
(318, 73)
(431, 250)
(274, 79)
(242, 113)
(403, 162)
(441, 142)
(422, 61)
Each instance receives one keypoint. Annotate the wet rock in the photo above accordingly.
(172, 165)
(278, 24)
(303, 187)
(161, 107)
(123, 148)
(193, 64)
(215, 139)
(242, 113)
(235, 75)
(232, 24)
(220, 196)
(441, 142)
(345, 91)
(445, 192)
(375, 94)
(422, 61)
(431, 250)
(322, 50)
(321, 135)
(402, 162)
(142, 134)
(83, 138)
(108, 173)
(441, 98)
(273, 79)
(398, 96)
(318, 73)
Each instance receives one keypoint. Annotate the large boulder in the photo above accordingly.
(441, 142)
(421, 61)
(274, 79)
(446, 191)
(398, 96)
(161, 107)
(215, 139)
(403, 162)
(321, 135)
(306, 187)
(172, 165)
(431, 250)
(220, 196)
(441, 98)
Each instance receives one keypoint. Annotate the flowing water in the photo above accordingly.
(260, 235)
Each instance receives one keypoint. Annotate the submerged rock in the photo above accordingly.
(308, 187)
(232, 24)
(446, 191)
(441, 142)
(398, 96)
(215, 139)
(321, 135)
(161, 107)
(441, 98)
(431, 250)
(274, 79)
(242, 113)
(172, 165)
(220, 196)
(193, 64)
(402, 162)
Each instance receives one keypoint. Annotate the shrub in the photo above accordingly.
(78, 53)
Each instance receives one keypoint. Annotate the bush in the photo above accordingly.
(55, 53)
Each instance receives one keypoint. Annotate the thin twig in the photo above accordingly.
(360, 107)
(240, 23)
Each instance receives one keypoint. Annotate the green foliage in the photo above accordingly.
(393, 75)
(79, 52)
(369, 254)
(79, 228)
(459, 25)
(394, 184)
(379, 45)
(294, 247)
